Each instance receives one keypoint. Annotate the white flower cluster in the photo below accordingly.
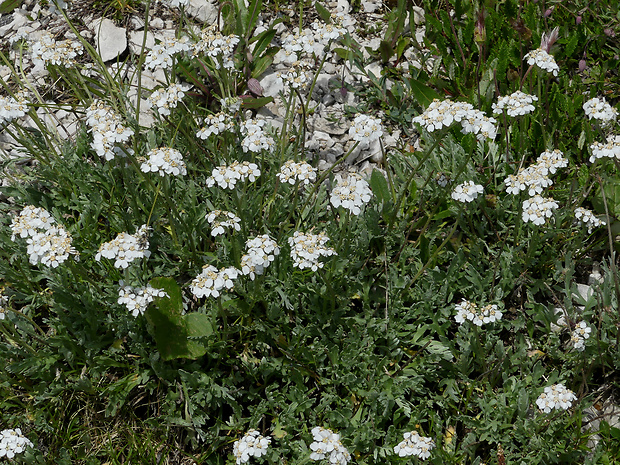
(467, 310)
(12, 442)
(515, 104)
(293, 172)
(324, 33)
(587, 218)
(297, 76)
(227, 176)
(601, 110)
(211, 281)
(580, 334)
(366, 129)
(164, 160)
(165, 99)
(555, 397)
(294, 46)
(13, 107)
(255, 139)
(306, 249)
(537, 209)
(260, 252)
(327, 445)
(535, 178)
(467, 192)
(414, 444)
(29, 221)
(543, 60)
(219, 220)
(351, 192)
(216, 46)
(107, 129)
(252, 444)
(160, 56)
(609, 150)
(442, 114)
(137, 299)
(50, 247)
(47, 243)
(125, 248)
(46, 51)
(215, 124)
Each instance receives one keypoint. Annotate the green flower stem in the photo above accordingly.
(317, 185)
(16, 340)
(430, 260)
(407, 183)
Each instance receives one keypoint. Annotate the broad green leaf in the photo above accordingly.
(256, 102)
(8, 6)
(323, 12)
(380, 187)
(262, 42)
(198, 325)
(423, 94)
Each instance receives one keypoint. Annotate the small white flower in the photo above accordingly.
(306, 249)
(587, 218)
(126, 248)
(555, 397)
(166, 99)
(579, 335)
(292, 172)
(515, 104)
(366, 129)
(252, 444)
(414, 444)
(609, 150)
(164, 160)
(219, 220)
(13, 442)
(227, 176)
(537, 209)
(327, 445)
(137, 299)
(467, 192)
(210, 281)
(543, 60)
(351, 192)
(601, 110)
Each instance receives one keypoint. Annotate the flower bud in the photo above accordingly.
(578, 20)
(548, 13)
(582, 65)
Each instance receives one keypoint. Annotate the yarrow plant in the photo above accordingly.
(107, 128)
(226, 177)
(586, 217)
(414, 444)
(515, 104)
(467, 192)
(292, 172)
(611, 149)
(306, 249)
(579, 336)
(164, 160)
(366, 129)
(351, 193)
(600, 110)
(165, 99)
(538, 209)
(260, 253)
(469, 311)
(162, 54)
(327, 445)
(13, 107)
(211, 281)
(219, 220)
(47, 51)
(126, 248)
(442, 114)
(137, 299)
(13, 442)
(252, 444)
(555, 397)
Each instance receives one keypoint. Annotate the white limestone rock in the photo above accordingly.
(111, 40)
